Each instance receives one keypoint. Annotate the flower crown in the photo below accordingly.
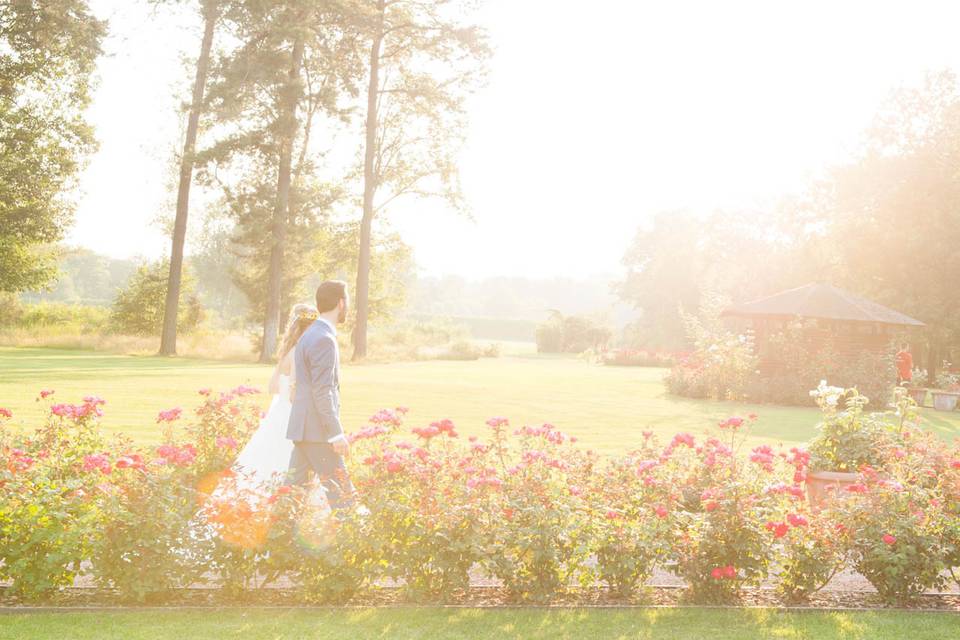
(307, 314)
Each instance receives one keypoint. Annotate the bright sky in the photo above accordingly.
(596, 116)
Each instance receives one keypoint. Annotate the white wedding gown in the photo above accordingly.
(265, 460)
(263, 465)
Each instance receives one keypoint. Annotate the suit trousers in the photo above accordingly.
(321, 458)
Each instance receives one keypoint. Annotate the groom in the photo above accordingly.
(319, 443)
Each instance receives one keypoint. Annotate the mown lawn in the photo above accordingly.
(473, 624)
(607, 407)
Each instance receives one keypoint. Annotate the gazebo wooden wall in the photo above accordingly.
(843, 338)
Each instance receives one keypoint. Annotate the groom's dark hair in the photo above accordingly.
(329, 295)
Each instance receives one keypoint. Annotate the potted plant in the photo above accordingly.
(947, 391)
(918, 386)
(849, 440)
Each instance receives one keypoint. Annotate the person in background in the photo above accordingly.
(904, 365)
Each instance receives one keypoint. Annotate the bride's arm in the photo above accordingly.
(284, 367)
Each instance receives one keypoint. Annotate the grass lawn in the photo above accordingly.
(607, 407)
(473, 624)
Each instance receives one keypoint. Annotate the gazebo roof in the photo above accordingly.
(821, 301)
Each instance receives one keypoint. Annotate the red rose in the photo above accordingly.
(796, 520)
(169, 415)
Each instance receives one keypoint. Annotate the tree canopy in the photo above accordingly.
(48, 53)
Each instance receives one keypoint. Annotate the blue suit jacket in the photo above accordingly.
(315, 416)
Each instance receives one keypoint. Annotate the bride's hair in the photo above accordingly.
(301, 317)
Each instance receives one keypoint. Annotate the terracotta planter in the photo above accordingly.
(821, 483)
(945, 400)
(919, 395)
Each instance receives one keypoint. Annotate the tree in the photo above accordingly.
(682, 258)
(391, 269)
(295, 59)
(48, 52)
(306, 231)
(210, 11)
(571, 334)
(665, 269)
(422, 62)
(139, 307)
(215, 263)
(892, 217)
(85, 278)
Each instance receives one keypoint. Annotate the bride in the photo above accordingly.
(238, 511)
(266, 457)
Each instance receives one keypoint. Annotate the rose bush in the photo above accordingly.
(895, 539)
(723, 541)
(526, 505)
(425, 498)
(812, 551)
(49, 513)
(632, 526)
(535, 524)
(145, 549)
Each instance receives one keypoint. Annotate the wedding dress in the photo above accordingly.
(263, 465)
(265, 459)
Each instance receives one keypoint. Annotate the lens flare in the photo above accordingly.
(316, 528)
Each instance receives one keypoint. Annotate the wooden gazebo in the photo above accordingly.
(829, 315)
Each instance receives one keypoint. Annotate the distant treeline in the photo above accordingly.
(487, 328)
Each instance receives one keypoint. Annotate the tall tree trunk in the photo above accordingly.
(271, 321)
(369, 191)
(168, 336)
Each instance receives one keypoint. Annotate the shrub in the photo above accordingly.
(849, 439)
(527, 505)
(947, 380)
(334, 558)
(571, 334)
(895, 541)
(44, 315)
(638, 358)
(687, 379)
(812, 552)
(146, 549)
(722, 542)
(462, 350)
(49, 517)
(722, 361)
(631, 530)
(920, 377)
(425, 501)
(535, 526)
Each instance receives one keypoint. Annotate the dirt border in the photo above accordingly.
(665, 597)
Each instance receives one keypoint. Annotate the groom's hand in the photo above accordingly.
(342, 447)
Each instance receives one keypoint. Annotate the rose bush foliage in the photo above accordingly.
(526, 505)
